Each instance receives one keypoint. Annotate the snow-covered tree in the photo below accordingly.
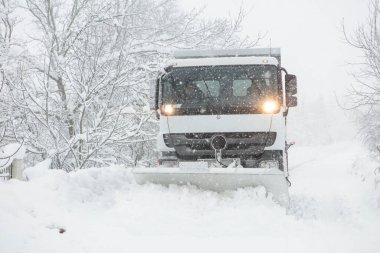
(8, 64)
(6, 29)
(82, 97)
(364, 95)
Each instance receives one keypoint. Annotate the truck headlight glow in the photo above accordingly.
(168, 109)
(270, 106)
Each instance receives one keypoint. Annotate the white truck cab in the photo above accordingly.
(231, 98)
(222, 116)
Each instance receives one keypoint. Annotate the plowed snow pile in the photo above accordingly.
(334, 209)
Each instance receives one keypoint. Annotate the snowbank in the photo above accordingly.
(39, 170)
(103, 210)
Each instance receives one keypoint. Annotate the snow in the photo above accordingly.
(187, 54)
(9, 152)
(333, 209)
(129, 109)
(38, 170)
(15, 150)
(221, 61)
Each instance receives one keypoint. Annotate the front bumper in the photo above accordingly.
(251, 160)
(198, 145)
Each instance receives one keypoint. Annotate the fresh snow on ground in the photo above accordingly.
(334, 208)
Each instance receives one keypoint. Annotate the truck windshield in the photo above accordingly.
(220, 89)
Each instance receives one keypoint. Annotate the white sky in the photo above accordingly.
(308, 32)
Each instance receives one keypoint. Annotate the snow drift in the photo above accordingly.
(333, 209)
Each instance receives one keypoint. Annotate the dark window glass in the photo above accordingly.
(220, 89)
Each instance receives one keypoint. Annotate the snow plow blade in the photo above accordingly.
(219, 179)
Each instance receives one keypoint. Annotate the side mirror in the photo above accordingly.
(154, 88)
(290, 90)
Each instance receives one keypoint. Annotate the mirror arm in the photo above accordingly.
(285, 113)
(157, 95)
(283, 69)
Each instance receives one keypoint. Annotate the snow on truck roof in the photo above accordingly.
(184, 54)
(188, 58)
(223, 61)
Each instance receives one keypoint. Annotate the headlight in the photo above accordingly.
(268, 164)
(168, 109)
(270, 106)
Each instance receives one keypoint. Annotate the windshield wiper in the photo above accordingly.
(208, 90)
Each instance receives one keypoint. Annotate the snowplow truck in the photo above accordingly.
(222, 119)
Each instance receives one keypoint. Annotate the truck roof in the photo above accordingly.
(246, 52)
(224, 61)
(251, 56)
